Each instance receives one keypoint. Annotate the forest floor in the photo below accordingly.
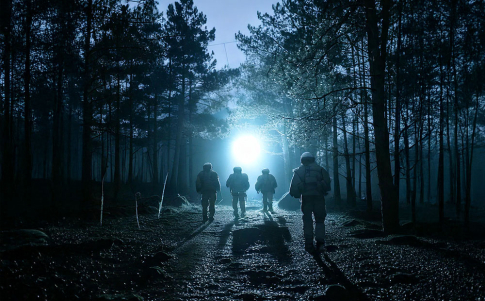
(179, 257)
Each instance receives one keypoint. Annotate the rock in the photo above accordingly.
(158, 257)
(337, 292)
(14, 239)
(287, 202)
(153, 272)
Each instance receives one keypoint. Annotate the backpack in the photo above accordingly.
(267, 183)
(312, 178)
(206, 182)
(239, 182)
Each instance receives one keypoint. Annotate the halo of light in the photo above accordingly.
(246, 149)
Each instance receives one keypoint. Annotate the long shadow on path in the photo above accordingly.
(193, 234)
(225, 233)
(336, 275)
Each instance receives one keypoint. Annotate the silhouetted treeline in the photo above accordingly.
(102, 89)
(93, 89)
(391, 85)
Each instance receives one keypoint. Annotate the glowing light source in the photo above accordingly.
(246, 149)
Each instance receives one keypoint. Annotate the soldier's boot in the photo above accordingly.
(264, 207)
(236, 215)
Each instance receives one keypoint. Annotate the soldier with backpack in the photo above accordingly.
(238, 183)
(310, 183)
(207, 184)
(266, 184)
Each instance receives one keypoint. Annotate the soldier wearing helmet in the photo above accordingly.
(311, 183)
(207, 184)
(266, 184)
(238, 183)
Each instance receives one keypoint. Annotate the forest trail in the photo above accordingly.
(253, 258)
(262, 258)
(179, 257)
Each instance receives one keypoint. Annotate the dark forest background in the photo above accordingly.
(389, 95)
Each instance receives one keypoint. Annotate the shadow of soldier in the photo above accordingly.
(268, 237)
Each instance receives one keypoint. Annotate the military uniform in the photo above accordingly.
(266, 184)
(238, 183)
(207, 184)
(311, 182)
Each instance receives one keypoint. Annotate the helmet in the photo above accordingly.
(265, 171)
(237, 169)
(207, 166)
(307, 157)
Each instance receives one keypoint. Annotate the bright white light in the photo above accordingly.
(246, 149)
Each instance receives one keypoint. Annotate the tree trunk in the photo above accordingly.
(87, 110)
(182, 175)
(177, 172)
(421, 165)
(450, 152)
(377, 63)
(190, 145)
(8, 153)
(27, 158)
(397, 128)
(349, 187)
(57, 151)
(286, 156)
(130, 146)
(336, 181)
(407, 157)
(169, 127)
(456, 112)
(117, 175)
(155, 144)
(441, 193)
(469, 159)
(368, 179)
(354, 121)
(354, 159)
(69, 142)
(429, 149)
(415, 168)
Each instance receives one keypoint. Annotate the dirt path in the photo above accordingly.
(178, 257)
(260, 257)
